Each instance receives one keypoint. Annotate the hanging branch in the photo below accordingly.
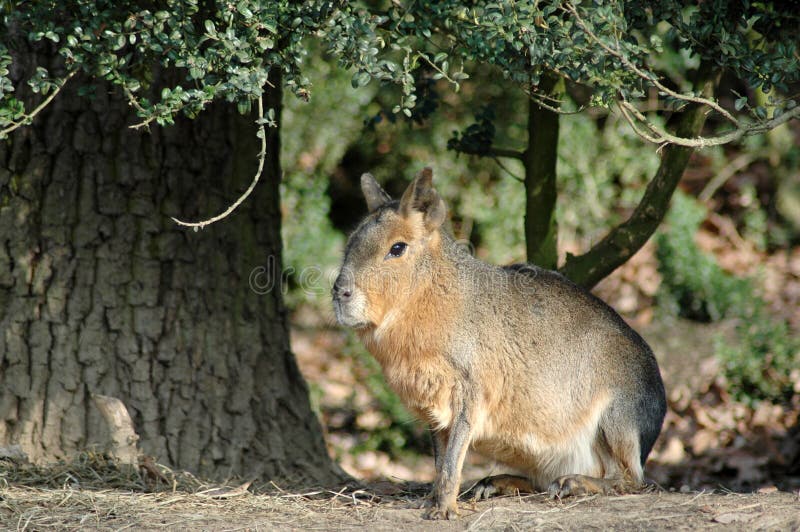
(507, 170)
(28, 118)
(262, 133)
(505, 152)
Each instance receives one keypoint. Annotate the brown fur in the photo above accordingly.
(516, 362)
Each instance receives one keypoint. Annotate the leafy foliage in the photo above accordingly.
(220, 50)
(478, 137)
(693, 284)
(228, 49)
(619, 49)
(762, 363)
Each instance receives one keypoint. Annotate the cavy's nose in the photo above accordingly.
(342, 290)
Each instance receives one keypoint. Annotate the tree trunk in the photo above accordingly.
(539, 159)
(101, 293)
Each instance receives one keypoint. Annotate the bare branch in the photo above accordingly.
(505, 152)
(541, 102)
(662, 137)
(507, 170)
(261, 158)
(623, 110)
(739, 163)
(28, 118)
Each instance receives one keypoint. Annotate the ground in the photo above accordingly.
(379, 508)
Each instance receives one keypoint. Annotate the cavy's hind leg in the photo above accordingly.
(617, 450)
(499, 485)
(577, 485)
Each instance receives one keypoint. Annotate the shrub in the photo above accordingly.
(693, 284)
(761, 364)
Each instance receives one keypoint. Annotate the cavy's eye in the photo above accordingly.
(397, 249)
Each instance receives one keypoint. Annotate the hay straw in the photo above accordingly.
(94, 492)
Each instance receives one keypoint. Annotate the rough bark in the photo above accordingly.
(623, 241)
(541, 227)
(101, 293)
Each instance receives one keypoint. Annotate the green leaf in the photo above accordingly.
(740, 103)
(360, 79)
(242, 8)
(243, 106)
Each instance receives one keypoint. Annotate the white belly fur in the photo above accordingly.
(544, 460)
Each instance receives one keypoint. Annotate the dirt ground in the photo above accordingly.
(70, 509)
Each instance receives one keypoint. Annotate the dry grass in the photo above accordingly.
(94, 493)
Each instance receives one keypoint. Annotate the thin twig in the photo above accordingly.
(630, 121)
(731, 169)
(506, 170)
(30, 116)
(544, 105)
(505, 152)
(261, 157)
(135, 103)
(444, 74)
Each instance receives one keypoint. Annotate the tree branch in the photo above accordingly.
(730, 170)
(623, 241)
(662, 137)
(555, 107)
(504, 152)
(261, 157)
(507, 170)
(28, 118)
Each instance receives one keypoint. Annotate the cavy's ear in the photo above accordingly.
(420, 196)
(376, 197)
